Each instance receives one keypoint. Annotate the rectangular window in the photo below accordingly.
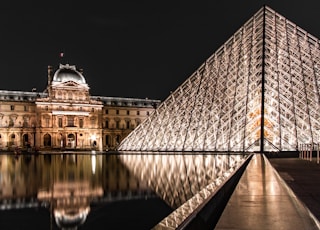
(47, 122)
(60, 122)
(107, 111)
(138, 112)
(25, 122)
(128, 112)
(12, 107)
(25, 108)
(70, 121)
(117, 112)
(11, 122)
(81, 122)
(93, 122)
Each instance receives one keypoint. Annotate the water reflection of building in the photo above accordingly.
(66, 185)
(65, 115)
(70, 202)
(69, 189)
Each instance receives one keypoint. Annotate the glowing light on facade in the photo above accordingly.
(258, 92)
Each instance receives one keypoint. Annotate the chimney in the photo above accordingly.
(49, 74)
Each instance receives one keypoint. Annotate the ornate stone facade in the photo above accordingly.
(66, 116)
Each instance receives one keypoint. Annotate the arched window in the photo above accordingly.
(25, 122)
(12, 139)
(11, 123)
(118, 139)
(138, 121)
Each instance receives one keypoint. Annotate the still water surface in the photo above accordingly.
(74, 190)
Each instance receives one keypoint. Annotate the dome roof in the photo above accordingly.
(68, 73)
(71, 219)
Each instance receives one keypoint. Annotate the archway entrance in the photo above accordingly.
(71, 142)
(47, 140)
(25, 139)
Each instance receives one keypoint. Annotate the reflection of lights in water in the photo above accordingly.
(93, 164)
(183, 175)
(93, 151)
(183, 181)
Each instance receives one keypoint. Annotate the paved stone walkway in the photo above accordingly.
(303, 177)
(262, 200)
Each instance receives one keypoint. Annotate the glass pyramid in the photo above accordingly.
(258, 92)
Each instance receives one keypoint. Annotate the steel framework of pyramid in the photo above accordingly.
(270, 65)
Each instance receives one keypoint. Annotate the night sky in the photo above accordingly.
(127, 48)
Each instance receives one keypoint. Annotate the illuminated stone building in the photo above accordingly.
(258, 92)
(66, 116)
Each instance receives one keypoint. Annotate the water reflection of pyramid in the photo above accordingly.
(269, 65)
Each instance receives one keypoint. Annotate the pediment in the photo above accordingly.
(70, 84)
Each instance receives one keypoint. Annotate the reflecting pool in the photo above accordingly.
(88, 190)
